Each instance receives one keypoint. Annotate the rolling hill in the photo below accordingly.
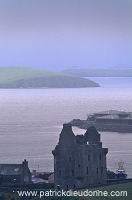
(26, 77)
(99, 72)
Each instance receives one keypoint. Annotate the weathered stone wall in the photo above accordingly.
(79, 161)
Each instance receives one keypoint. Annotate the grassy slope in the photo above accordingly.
(9, 74)
(119, 187)
(25, 77)
(100, 72)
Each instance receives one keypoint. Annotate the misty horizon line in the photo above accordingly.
(120, 66)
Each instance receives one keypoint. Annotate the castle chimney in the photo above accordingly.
(25, 163)
(67, 127)
(67, 136)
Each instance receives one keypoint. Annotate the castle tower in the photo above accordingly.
(79, 161)
(64, 160)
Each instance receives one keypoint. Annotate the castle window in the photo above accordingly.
(97, 170)
(72, 172)
(58, 186)
(70, 159)
(87, 170)
(100, 156)
(88, 157)
(1, 180)
(59, 172)
(67, 187)
(74, 186)
(102, 170)
(79, 166)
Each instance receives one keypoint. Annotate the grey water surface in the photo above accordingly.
(31, 121)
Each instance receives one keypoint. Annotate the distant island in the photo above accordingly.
(100, 72)
(26, 77)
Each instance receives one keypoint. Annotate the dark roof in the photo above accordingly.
(108, 117)
(128, 117)
(110, 112)
(44, 175)
(114, 117)
(11, 169)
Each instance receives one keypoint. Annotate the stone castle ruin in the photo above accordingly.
(79, 160)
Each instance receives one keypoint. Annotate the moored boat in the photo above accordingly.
(121, 173)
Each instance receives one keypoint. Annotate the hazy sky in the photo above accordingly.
(53, 34)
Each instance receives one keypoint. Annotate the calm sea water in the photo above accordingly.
(31, 121)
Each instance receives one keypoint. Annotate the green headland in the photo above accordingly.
(26, 77)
